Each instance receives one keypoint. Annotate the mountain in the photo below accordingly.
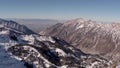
(37, 25)
(15, 26)
(28, 50)
(89, 36)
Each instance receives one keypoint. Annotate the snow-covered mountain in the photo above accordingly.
(90, 36)
(15, 26)
(19, 49)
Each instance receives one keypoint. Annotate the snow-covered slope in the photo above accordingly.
(8, 61)
(51, 52)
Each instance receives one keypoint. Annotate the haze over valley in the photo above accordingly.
(38, 25)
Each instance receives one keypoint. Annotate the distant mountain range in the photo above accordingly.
(37, 25)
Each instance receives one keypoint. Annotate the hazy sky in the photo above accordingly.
(106, 10)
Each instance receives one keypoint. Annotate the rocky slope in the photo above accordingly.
(25, 50)
(90, 36)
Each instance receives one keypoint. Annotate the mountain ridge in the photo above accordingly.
(13, 25)
(89, 36)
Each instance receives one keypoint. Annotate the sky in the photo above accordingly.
(100, 10)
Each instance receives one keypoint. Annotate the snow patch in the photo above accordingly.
(1, 26)
(118, 66)
(80, 26)
(60, 52)
(4, 32)
(28, 38)
(45, 38)
(64, 66)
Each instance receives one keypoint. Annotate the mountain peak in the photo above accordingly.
(74, 21)
(79, 20)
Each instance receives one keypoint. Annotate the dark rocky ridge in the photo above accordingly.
(57, 54)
